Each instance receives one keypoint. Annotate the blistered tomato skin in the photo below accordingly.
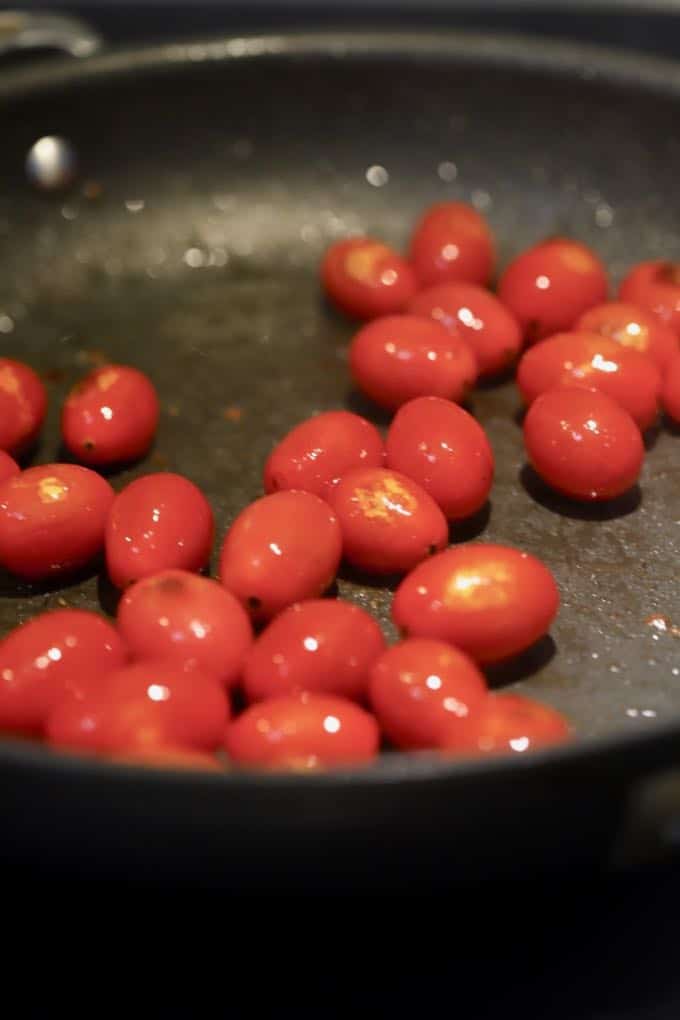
(476, 317)
(158, 522)
(671, 391)
(444, 449)
(365, 278)
(656, 286)
(633, 327)
(420, 688)
(8, 467)
(491, 601)
(507, 723)
(281, 549)
(302, 732)
(23, 405)
(52, 520)
(188, 619)
(388, 522)
(596, 362)
(550, 285)
(401, 357)
(111, 416)
(322, 645)
(316, 453)
(59, 653)
(452, 242)
(583, 444)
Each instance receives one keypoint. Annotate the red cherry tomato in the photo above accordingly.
(169, 758)
(52, 520)
(110, 416)
(157, 522)
(23, 404)
(593, 361)
(66, 651)
(452, 242)
(303, 732)
(443, 448)
(656, 286)
(491, 601)
(389, 523)
(477, 317)
(582, 443)
(401, 357)
(191, 620)
(549, 286)
(8, 467)
(365, 278)
(671, 391)
(507, 723)
(420, 688)
(316, 453)
(633, 327)
(322, 645)
(281, 549)
(99, 724)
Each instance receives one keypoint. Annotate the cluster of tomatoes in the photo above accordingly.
(319, 684)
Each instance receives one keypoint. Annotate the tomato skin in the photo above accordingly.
(191, 620)
(52, 520)
(388, 522)
(550, 285)
(421, 688)
(476, 317)
(110, 416)
(317, 452)
(507, 723)
(23, 405)
(365, 278)
(399, 357)
(163, 757)
(655, 285)
(64, 651)
(158, 522)
(281, 549)
(303, 732)
(8, 467)
(444, 449)
(670, 396)
(452, 242)
(595, 362)
(583, 444)
(322, 645)
(633, 327)
(491, 601)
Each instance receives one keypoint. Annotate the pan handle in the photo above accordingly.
(650, 833)
(40, 30)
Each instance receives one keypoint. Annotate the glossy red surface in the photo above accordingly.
(655, 285)
(169, 758)
(365, 278)
(8, 467)
(452, 242)
(507, 723)
(23, 405)
(633, 327)
(670, 395)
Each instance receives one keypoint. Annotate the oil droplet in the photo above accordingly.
(447, 171)
(134, 205)
(6, 324)
(481, 200)
(194, 258)
(377, 176)
(604, 215)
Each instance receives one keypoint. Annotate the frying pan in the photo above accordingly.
(212, 176)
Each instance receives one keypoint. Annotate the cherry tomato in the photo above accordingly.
(111, 416)
(389, 523)
(671, 391)
(401, 357)
(634, 327)
(66, 651)
(593, 361)
(507, 723)
(582, 443)
(656, 286)
(549, 286)
(23, 404)
(491, 601)
(188, 619)
(419, 688)
(168, 758)
(477, 317)
(303, 732)
(281, 549)
(316, 453)
(443, 448)
(157, 522)
(8, 467)
(322, 645)
(52, 520)
(100, 724)
(452, 242)
(365, 278)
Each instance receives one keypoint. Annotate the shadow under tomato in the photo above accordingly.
(490, 382)
(109, 596)
(15, 588)
(671, 426)
(357, 403)
(608, 510)
(651, 435)
(522, 666)
(519, 415)
(472, 527)
(365, 580)
(105, 470)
